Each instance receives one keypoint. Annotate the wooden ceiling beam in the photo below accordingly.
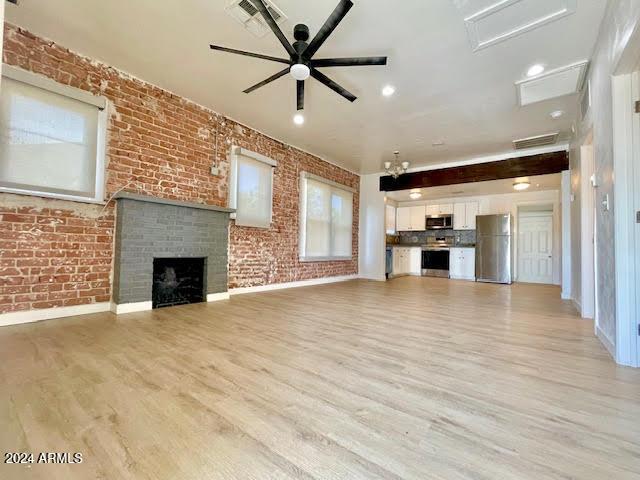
(541, 164)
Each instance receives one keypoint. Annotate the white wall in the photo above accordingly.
(621, 19)
(509, 203)
(371, 259)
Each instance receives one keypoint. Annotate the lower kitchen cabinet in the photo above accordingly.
(462, 263)
(407, 261)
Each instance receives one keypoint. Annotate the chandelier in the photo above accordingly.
(397, 168)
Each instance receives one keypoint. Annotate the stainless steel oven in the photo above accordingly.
(435, 256)
(439, 222)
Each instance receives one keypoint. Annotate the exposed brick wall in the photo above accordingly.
(158, 144)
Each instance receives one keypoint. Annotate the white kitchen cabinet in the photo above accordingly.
(462, 263)
(417, 218)
(407, 261)
(390, 219)
(440, 209)
(403, 219)
(410, 219)
(415, 261)
(433, 209)
(445, 209)
(464, 215)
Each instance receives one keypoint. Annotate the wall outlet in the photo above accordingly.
(215, 170)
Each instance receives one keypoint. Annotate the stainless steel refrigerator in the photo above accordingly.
(494, 248)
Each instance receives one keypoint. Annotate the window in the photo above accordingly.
(251, 187)
(326, 219)
(51, 138)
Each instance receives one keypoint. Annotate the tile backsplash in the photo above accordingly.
(462, 237)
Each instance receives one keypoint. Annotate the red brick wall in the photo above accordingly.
(57, 253)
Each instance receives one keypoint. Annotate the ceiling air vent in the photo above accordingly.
(537, 141)
(248, 15)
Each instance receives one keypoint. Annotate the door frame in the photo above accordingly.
(540, 213)
(626, 165)
(588, 239)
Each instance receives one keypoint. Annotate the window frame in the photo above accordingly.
(100, 102)
(303, 219)
(234, 155)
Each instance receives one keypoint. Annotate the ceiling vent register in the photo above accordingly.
(249, 16)
(537, 141)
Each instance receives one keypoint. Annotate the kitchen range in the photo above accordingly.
(434, 247)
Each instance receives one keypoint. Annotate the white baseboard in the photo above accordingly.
(216, 297)
(565, 296)
(301, 283)
(121, 308)
(577, 305)
(606, 341)
(15, 318)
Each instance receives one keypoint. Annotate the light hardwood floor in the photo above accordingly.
(413, 379)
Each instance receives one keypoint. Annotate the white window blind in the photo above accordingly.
(326, 219)
(251, 189)
(50, 143)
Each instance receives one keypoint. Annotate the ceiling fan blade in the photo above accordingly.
(273, 77)
(262, 8)
(349, 62)
(300, 94)
(249, 54)
(322, 78)
(329, 26)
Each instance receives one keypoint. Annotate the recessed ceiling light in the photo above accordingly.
(534, 70)
(556, 114)
(519, 186)
(388, 90)
(415, 195)
(298, 119)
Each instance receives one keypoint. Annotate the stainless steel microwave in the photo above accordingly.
(439, 222)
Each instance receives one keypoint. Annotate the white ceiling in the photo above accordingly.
(445, 90)
(493, 187)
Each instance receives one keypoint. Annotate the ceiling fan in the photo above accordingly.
(301, 63)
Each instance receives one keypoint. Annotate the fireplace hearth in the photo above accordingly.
(178, 281)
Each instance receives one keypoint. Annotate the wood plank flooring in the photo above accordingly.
(416, 378)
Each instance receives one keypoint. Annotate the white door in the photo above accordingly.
(535, 240)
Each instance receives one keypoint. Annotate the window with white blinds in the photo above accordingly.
(326, 219)
(51, 138)
(251, 191)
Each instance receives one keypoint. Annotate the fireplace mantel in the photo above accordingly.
(166, 201)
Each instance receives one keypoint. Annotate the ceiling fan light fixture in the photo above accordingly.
(415, 195)
(300, 71)
(298, 119)
(520, 186)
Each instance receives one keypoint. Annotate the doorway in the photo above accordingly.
(535, 246)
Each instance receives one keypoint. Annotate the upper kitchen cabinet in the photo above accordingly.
(445, 209)
(441, 209)
(410, 219)
(390, 219)
(464, 215)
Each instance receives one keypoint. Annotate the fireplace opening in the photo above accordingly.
(178, 281)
